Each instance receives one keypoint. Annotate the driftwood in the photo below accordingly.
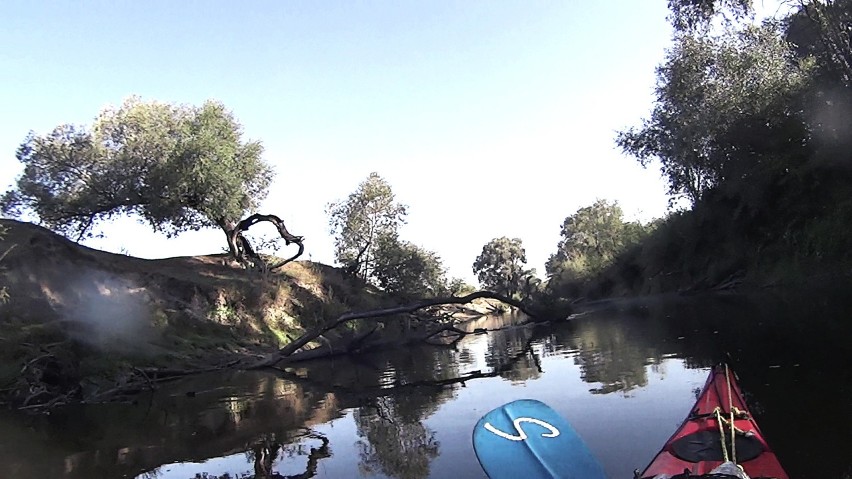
(317, 331)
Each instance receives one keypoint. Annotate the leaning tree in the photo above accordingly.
(178, 167)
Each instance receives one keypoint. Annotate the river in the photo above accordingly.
(623, 372)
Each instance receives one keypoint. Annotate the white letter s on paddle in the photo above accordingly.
(521, 434)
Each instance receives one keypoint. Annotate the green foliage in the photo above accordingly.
(751, 124)
(369, 213)
(820, 29)
(458, 287)
(724, 111)
(366, 227)
(406, 269)
(178, 167)
(591, 240)
(819, 34)
(697, 15)
(500, 266)
(4, 295)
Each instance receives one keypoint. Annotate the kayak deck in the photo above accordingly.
(697, 445)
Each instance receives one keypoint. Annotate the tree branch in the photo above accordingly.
(379, 313)
(241, 248)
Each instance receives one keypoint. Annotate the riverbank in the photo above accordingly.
(714, 246)
(79, 323)
(623, 373)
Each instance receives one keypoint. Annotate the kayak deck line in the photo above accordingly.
(719, 438)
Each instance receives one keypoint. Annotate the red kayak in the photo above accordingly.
(703, 442)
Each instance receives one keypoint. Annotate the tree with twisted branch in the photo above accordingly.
(177, 167)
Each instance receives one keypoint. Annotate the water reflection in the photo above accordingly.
(623, 373)
(266, 451)
(393, 440)
(194, 419)
(510, 351)
(613, 354)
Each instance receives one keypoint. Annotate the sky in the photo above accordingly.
(488, 118)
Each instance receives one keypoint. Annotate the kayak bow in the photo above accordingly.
(703, 442)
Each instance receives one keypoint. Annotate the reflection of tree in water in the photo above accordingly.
(526, 368)
(506, 348)
(613, 354)
(392, 438)
(264, 453)
(465, 357)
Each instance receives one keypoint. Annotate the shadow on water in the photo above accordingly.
(623, 372)
(789, 349)
(192, 420)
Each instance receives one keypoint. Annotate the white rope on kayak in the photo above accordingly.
(719, 418)
(730, 422)
(734, 429)
(731, 407)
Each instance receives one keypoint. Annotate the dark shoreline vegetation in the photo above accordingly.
(750, 127)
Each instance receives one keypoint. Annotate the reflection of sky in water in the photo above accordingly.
(619, 376)
(624, 430)
(340, 432)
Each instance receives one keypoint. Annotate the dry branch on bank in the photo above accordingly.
(314, 333)
(39, 396)
(402, 387)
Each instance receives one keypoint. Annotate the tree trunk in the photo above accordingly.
(241, 249)
(312, 334)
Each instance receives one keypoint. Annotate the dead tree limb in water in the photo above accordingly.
(312, 334)
(371, 391)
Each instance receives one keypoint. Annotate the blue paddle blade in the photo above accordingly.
(527, 439)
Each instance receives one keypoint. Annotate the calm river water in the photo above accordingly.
(624, 373)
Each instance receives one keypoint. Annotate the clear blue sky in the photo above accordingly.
(488, 118)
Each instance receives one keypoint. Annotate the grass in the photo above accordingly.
(710, 246)
(176, 312)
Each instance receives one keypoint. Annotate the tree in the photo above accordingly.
(592, 238)
(178, 167)
(821, 29)
(819, 32)
(4, 295)
(696, 15)
(458, 287)
(371, 212)
(724, 111)
(500, 266)
(406, 269)
(826, 22)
